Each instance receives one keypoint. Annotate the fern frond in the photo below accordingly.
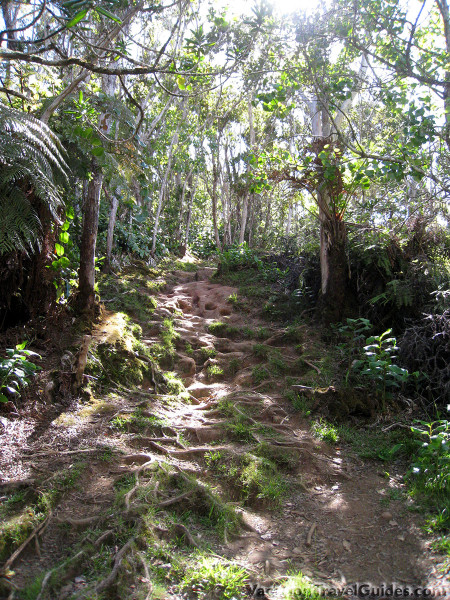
(20, 227)
(16, 124)
(30, 154)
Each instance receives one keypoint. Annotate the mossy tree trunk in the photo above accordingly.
(86, 272)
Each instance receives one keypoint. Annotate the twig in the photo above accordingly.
(62, 453)
(395, 425)
(310, 534)
(310, 364)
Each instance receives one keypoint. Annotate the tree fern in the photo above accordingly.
(30, 154)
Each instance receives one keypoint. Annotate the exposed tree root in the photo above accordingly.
(171, 501)
(40, 528)
(109, 580)
(147, 576)
(180, 530)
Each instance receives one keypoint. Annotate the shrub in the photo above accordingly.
(16, 371)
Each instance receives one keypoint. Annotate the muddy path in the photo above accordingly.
(225, 463)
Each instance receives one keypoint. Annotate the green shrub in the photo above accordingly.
(239, 257)
(16, 371)
(430, 471)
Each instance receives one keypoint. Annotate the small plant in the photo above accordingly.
(210, 575)
(248, 332)
(207, 352)
(276, 363)
(262, 333)
(214, 371)
(233, 299)
(325, 431)
(300, 403)
(217, 328)
(16, 371)
(260, 374)
(299, 587)
(375, 444)
(260, 350)
(378, 363)
(234, 366)
(189, 349)
(353, 332)
(168, 333)
(239, 257)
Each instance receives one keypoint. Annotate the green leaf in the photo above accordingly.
(21, 346)
(3, 398)
(64, 237)
(181, 82)
(70, 213)
(59, 250)
(107, 14)
(98, 151)
(65, 225)
(76, 19)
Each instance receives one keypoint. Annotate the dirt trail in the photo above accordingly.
(338, 521)
(337, 497)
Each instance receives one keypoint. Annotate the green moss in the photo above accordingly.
(253, 476)
(23, 511)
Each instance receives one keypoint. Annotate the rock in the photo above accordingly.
(347, 545)
(200, 390)
(184, 304)
(209, 434)
(187, 366)
(244, 378)
(386, 515)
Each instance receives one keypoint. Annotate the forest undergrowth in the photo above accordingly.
(200, 443)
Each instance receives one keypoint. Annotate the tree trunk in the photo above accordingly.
(162, 190)
(110, 236)
(445, 15)
(244, 216)
(289, 221)
(214, 208)
(86, 294)
(189, 215)
(335, 299)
